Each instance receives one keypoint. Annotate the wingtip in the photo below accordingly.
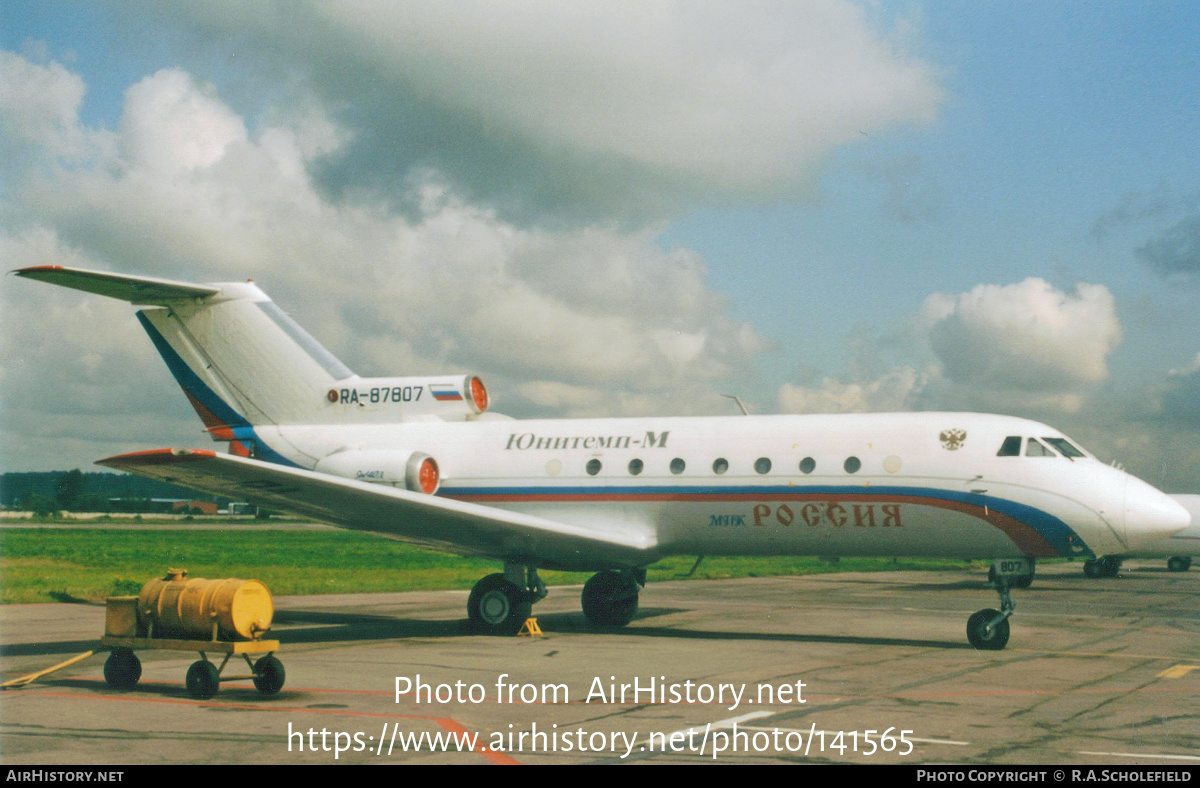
(32, 269)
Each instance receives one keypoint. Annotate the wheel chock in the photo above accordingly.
(530, 628)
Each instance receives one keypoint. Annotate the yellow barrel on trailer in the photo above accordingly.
(176, 606)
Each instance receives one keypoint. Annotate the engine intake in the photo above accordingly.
(412, 470)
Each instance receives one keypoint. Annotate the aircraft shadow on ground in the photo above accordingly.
(357, 627)
(351, 627)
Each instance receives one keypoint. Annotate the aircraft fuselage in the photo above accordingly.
(916, 484)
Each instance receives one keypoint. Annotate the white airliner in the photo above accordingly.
(422, 459)
(1178, 549)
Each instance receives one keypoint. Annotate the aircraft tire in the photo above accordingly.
(979, 636)
(1110, 566)
(1091, 568)
(1179, 563)
(610, 599)
(497, 606)
(202, 680)
(122, 669)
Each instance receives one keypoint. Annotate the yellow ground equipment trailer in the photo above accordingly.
(178, 613)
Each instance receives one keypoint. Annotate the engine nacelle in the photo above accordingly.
(412, 470)
(448, 397)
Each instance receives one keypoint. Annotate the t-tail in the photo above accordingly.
(243, 362)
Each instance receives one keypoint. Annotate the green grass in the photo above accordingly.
(73, 564)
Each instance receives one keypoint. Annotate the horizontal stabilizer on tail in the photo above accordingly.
(134, 289)
(466, 528)
(244, 362)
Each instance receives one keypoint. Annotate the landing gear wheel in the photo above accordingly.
(122, 669)
(610, 599)
(986, 638)
(497, 606)
(1179, 563)
(1091, 568)
(1110, 566)
(268, 675)
(202, 680)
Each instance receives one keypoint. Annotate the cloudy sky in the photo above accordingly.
(620, 208)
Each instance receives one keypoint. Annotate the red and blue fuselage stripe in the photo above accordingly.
(1036, 532)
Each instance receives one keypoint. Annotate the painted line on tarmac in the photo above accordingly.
(1141, 755)
(445, 723)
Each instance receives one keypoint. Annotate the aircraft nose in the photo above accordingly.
(1150, 515)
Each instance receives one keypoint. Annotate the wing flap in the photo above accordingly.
(443, 523)
(134, 289)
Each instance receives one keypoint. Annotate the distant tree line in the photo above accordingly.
(74, 491)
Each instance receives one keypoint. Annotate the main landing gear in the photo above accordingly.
(1108, 566)
(499, 604)
(988, 629)
(610, 599)
(1179, 563)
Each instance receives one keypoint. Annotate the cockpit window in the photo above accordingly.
(1035, 449)
(1011, 447)
(1064, 446)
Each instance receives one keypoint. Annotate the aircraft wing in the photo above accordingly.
(442, 523)
(134, 289)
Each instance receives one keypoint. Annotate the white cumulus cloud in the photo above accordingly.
(612, 104)
(1028, 336)
(594, 318)
(892, 391)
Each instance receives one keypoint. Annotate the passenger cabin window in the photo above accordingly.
(808, 465)
(1035, 449)
(677, 465)
(635, 466)
(593, 467)
(1011, 447)
(1065, 447)
(762, 465)
(720, 465)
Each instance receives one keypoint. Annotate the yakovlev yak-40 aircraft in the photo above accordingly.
(423, 460)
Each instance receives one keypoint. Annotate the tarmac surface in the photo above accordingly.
(867, 668)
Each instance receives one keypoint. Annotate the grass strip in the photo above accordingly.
(89, 564)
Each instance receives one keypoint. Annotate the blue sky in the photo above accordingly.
(1057, 113)
(632, 209)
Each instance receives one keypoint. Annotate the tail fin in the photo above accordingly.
(239, 359)
(242, 362)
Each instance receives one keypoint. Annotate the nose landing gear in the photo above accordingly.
(988, 629)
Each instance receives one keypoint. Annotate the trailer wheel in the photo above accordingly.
(268, 675)
(122, 669)
(202, 680)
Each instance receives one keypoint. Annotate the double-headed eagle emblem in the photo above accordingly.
(952, 440)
